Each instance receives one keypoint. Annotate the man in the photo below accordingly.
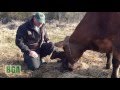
(33, 41)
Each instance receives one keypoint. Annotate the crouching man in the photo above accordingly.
(32, 39)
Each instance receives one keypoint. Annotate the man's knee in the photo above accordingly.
(33, 67)
(47, 49)
(32, 63)
(51, 46)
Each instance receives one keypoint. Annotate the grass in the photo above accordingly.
(10, 54)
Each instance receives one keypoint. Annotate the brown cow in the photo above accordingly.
(61, 55)
(98, 31)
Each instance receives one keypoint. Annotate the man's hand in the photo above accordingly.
(33, 54)
(48, 41)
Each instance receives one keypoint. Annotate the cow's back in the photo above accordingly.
(97, 25)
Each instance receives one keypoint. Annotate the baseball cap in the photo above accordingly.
(40, 17)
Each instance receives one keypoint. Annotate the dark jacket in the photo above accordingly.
(28, 39)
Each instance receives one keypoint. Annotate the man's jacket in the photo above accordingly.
(28, 39)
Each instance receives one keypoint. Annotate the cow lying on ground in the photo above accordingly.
(98, 31)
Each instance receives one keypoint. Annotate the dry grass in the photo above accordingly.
(90, 66)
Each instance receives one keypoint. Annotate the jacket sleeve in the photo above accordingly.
(20, 41)
(45, 35)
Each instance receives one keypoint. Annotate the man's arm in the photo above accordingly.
(45, 35)
(20, 42)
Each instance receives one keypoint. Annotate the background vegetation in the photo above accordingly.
(61, 16)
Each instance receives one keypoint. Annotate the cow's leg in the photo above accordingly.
(116, 60)
(109, 60)
(115, 72)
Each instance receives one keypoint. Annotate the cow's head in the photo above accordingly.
(65, 55)
(71, 53)
(68, 52)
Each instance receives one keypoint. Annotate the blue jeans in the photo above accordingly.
(35, 63)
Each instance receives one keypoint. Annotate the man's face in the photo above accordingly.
(36, 23)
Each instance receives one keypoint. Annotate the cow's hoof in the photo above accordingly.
(108, 66)
(63, 69)
(114, 76)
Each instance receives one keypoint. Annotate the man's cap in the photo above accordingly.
(40, 17)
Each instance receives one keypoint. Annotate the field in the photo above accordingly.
(91, 64)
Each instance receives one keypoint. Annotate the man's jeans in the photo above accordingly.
(35, 63)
